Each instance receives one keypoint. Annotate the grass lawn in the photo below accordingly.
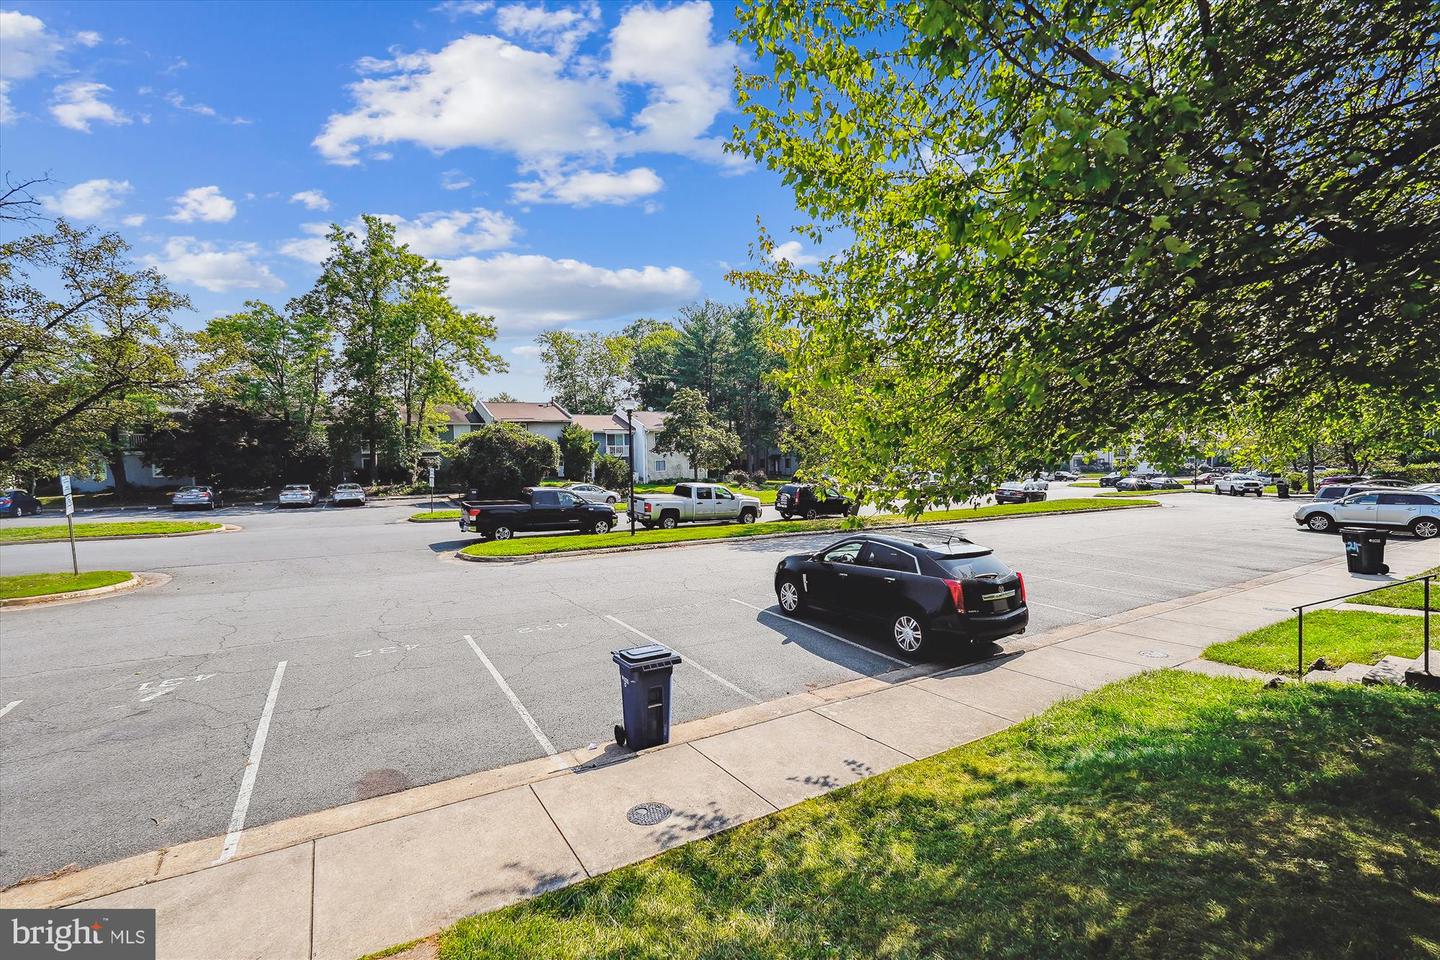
(41, 584)
(1340, 636)
(1085, 483)
(1168, 815)
(125, 528)
(531, 546)
(1411, 596)
(435, 516)
(1137, 493)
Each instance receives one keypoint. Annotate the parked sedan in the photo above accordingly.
(925, 594)
(1064, 476)
(591, 493)
(195, 498)
(348, 493)
(1133, 483)
(1014, 491)
(298, 495)
(1165, 483)
(18, 503)
(1110, 479)
(1411, 510)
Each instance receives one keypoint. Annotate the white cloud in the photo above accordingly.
(89, 200)
(205, 204)
(688, 77)
(458, 8)
(134, 220)
(476, 92)
(455, 180)
(29, 47)
(77, 104)
(312, 248)
(584, 187)
(88, 38)
(445, 233)
(312, 199)
(187, 260)
(527, 291)
(552, 108)
(561, 30)
(7, 111)
(178, 101)
(528, 350)
(439, 233)
(793, 253)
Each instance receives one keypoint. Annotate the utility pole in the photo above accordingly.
(630, 429)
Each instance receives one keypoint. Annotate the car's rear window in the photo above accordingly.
(964, 568)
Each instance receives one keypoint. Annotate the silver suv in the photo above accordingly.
(1409, 510)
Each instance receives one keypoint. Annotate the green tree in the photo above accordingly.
(691, 429)
(702, 350)
(1061, 215)
(501, 397)
(436, 345)
(223, 443)
(271, 362)
(750, 372)
(651, 369)
(87, 343)
(577, 451)
(585, 372)
(367, 292)
(500, 459)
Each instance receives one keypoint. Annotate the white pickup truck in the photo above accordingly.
(693, 503)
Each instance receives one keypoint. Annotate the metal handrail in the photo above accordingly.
(1300, 617)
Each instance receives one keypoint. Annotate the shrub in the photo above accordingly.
(1296, 481)
(738, 478)
(613, 473)
(758, 477)
(499, 459)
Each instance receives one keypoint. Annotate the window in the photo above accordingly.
(1361, 500)
(844, 553)
(660, 466)
(1406, 499)
(888, 558)
(704, 493)
(682, 490)
(567, 499)
(546, 498)
(722, 494)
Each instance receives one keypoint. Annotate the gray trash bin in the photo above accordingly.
(645, 694)
(1364, 550)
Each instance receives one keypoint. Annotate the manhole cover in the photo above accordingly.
(647, 814)
(1155, 654)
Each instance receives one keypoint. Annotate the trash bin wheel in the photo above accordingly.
(620, 734)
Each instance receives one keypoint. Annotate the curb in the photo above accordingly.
(532, 557)
(223, 528)
(121, 587)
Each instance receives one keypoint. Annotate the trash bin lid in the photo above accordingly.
(646, 657)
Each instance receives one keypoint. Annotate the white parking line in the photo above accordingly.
(539, 734)
(686, 658)
(10, 706)
(832, 636)
(252, 768)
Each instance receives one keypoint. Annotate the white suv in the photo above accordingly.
(1409, 510)
(1239, 484)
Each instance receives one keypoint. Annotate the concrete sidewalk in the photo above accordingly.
(340, 883)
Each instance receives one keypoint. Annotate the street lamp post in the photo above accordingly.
(630, 431)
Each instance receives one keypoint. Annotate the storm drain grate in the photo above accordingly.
(1155, 654)
(648, 814)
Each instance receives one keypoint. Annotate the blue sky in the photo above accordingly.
(561, 161)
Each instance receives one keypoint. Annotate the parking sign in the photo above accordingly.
(65, 489)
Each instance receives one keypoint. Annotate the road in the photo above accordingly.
(131, 718)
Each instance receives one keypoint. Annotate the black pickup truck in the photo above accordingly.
(542, 508)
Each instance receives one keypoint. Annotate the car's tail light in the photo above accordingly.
(647, 508)
(474, 514)
(1021, 577)
(957, 594)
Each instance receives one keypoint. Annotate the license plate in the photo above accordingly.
(1002, 595)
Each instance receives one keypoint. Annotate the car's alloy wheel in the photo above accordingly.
(1318, 522)
(669, 523)
(601, 527)
(909, 636)
(789, 595)
(502, 533)
(786, 516)
(1425, 528)
(812, 514)
(747, 517)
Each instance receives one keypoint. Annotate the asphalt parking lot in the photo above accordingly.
(382, 663)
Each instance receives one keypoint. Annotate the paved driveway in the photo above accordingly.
(130, 720)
